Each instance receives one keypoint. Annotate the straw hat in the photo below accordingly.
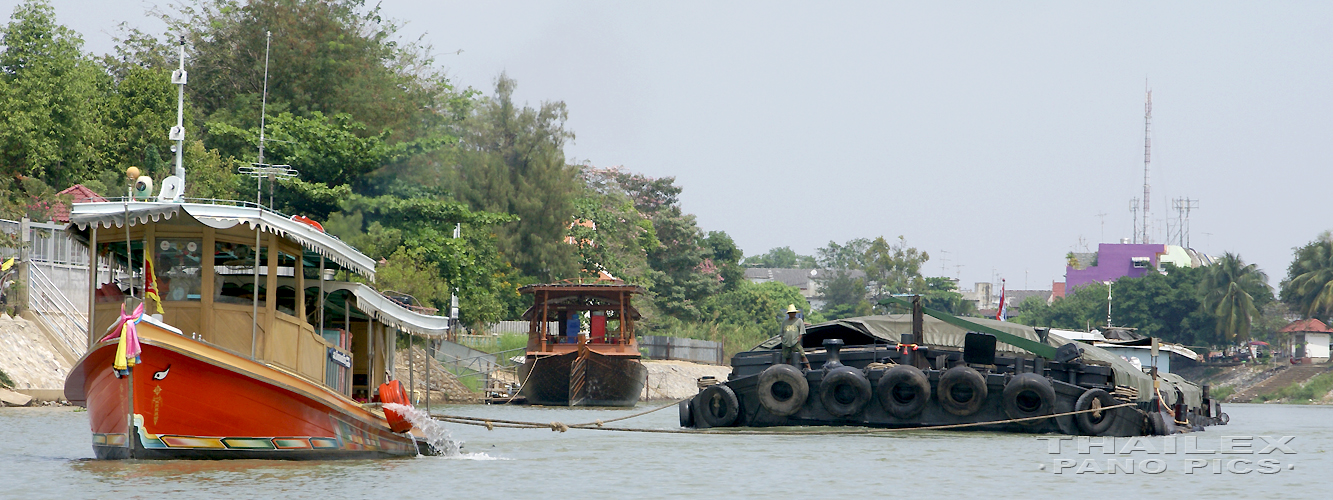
(791, 308)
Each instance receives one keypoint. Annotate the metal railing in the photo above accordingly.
(56, 311)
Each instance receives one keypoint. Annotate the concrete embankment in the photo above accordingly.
(1258, 382)
(30, 362)
(677, 379)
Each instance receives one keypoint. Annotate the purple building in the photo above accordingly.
(1115, 261)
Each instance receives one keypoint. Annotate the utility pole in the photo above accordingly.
(1183, 206)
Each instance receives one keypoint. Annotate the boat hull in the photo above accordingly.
(189, 400)
(609, 380)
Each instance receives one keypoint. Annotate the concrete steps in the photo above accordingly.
(1288, 376)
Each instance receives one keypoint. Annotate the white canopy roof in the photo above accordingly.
(112, 214)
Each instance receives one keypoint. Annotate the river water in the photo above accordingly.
(46, 453)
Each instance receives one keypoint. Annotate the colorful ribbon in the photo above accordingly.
(127, 350)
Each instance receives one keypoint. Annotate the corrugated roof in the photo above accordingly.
(1306, 325)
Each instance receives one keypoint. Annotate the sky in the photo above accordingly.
(995, 136)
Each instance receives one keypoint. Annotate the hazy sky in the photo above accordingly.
(989, 134)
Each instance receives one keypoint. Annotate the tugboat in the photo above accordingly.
(567, 365)
(930, 368)
(216, 331)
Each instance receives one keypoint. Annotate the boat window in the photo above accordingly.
(287, 300)
(287, 266)
(177, 262)
(234, 266)
(117, 272)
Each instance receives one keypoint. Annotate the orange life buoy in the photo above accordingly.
(392, 392)
(308, 221)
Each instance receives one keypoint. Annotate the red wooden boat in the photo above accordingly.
(569, 365)
(210, 382)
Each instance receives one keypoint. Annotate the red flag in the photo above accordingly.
(1000, 314)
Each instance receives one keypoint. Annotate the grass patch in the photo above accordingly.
(5, 381)
(1313, 389)
(1221, 393)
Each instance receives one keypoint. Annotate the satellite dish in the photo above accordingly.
(171, 189)
(143, 187)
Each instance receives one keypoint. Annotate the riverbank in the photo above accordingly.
(1266, 382)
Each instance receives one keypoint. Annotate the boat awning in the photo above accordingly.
(111, 214)
(391, 313)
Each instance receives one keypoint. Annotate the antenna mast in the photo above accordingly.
(1147, 160)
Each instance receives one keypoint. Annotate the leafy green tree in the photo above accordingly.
(763, 304)
(941, 294)
(1309, 284)
(844, 295)
(139, 115)
(1233, 292)
(513, 162)
(893, 268)
(50, 99)
(781, 258)
(725, 256)
(330, 56)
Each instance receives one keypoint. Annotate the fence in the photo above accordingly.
(698, 351)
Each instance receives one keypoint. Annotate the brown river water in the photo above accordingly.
(47, 453)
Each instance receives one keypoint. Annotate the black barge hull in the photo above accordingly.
(880, 386)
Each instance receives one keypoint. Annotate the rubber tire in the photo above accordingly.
(961, 375)
(1156, 424)
(1224, 418)
(794, 378)
(1023, 383)
(1088, 424)
(718, 397)
(686, 413)
(844, 375)
(900, 375)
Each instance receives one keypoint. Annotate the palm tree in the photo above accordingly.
(1227, 291)
(1309, 285)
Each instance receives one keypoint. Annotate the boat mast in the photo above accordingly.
(177, 134)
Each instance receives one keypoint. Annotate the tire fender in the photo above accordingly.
(718, 406)
(779, 402)
(959, 381)
(1094, 423)
(844, 391)
(903, 391)
(1028, 395)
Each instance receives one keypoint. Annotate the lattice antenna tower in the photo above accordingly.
(1147, 161)
(1134, 209)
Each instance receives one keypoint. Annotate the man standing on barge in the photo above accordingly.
(793, 329)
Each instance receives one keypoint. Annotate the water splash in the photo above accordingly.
(436, 435)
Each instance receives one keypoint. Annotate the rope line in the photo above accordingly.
(598, 425)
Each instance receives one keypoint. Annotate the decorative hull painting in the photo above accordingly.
(193, 401)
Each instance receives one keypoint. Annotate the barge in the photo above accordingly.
(929, 368)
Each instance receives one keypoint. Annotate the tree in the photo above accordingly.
(50, 95)
(1309, 284)
(513, 162)
(893, 268)
(725, 256)
(844, 295)
(328, 56)
(941, 295)
(781, 258)
(1233, 292)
